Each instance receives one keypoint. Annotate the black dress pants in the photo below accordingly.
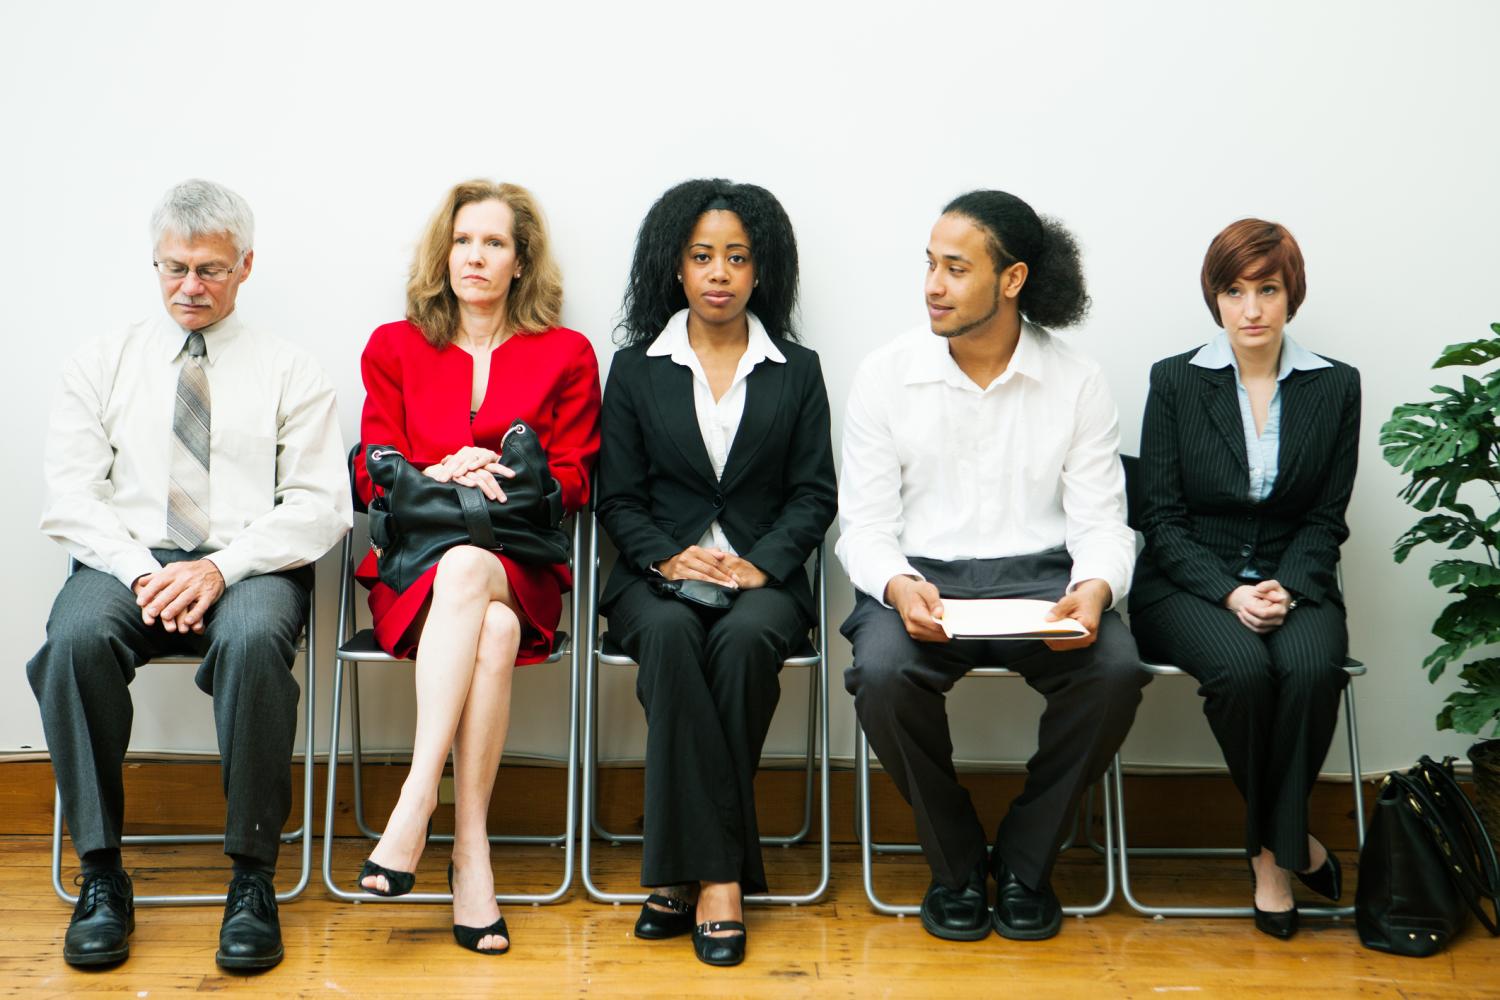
(899, 686)
(709, 684)
(81, 677)
(1271, 700)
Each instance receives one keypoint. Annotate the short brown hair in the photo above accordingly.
(1253, 249)
(535, 300)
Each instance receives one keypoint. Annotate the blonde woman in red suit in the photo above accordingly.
(480, 349)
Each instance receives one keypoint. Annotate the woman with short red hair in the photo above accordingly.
(1248, 453)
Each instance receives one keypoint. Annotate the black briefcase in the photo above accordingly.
(415, 519)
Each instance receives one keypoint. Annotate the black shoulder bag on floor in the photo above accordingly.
(415, 519)
(1426, 865)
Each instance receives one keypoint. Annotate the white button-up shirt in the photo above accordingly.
(935, 466)
(718, 420)
(278, 480)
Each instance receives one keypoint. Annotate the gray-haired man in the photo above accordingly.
(194, 470)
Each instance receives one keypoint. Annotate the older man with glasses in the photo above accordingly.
(195, 471)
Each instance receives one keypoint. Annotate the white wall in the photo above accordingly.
(1368, 127)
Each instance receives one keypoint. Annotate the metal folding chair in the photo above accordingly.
(356, 647)
(868, 848)
(1354, 669)
(814, 655)
(308, 651)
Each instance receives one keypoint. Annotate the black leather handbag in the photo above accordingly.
(415, 519)
(1426, 865)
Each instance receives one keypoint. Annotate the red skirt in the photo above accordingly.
(538, 591)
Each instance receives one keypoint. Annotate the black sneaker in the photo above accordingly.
(103, 919)
(250, 937)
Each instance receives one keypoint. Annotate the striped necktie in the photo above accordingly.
(187, 491)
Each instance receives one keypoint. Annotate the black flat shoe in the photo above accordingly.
(396, 883)
(957, 914)
(720, 950)
(1280, 924)
(469, 937)
(103, 919)
(1021, 912)
(657, 925)
(1327, 881)
(250, 937)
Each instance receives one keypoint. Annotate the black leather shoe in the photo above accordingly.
(103, 918)
(1327, 881)
(720, 950)
(657, 925)
(957, 914)
(250, 937)
(1021, 912)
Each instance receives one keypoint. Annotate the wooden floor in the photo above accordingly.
(838, 948)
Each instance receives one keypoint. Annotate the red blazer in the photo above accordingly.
(417, 401)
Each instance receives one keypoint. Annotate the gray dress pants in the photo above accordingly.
(899, 686)
(81, 676)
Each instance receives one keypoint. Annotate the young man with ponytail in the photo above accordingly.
(981, 459)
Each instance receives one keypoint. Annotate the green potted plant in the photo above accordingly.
(1450, 449)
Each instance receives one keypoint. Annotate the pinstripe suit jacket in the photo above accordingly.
(1200, 524)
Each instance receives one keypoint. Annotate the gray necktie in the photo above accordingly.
(187, 491)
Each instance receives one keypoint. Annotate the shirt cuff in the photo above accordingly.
(135, 567)
(1117, 588)
(884, 572)
(232, 566)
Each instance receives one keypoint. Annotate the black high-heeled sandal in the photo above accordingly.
(658, 925)
(1281, 924)
(720, 950)
(1327, 881)
(396, 883)
(469, 937)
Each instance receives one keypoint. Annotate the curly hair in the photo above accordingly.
(1054, 294)
(535, 300)
(654, 294)
(1253, 249)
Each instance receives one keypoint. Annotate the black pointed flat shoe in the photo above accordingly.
(658, 925)
(469, 937)
(1327, 881)
(720, 950)
(396, 883)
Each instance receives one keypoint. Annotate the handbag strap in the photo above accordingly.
(1458, 833)
(476, 516)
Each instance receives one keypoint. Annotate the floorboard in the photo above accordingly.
(837, 948)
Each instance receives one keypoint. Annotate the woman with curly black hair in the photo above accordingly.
(716, 483)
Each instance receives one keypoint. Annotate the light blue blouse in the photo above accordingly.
(1261, 451)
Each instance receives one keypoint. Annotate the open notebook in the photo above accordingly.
(1005, 618)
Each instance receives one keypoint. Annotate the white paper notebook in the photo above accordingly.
(1005, 618)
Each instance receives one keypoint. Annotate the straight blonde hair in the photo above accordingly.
(535, 300)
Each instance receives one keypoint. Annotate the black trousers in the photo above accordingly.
(81, 676)
(899, 686)
(1271, 700)
(709, 684)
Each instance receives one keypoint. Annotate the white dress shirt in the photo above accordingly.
(718, 420)
(278, 482)
(938, 467)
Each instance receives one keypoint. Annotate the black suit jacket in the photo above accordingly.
(656, 492)
(1194, 481)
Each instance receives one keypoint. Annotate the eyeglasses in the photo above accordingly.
(176, 270)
